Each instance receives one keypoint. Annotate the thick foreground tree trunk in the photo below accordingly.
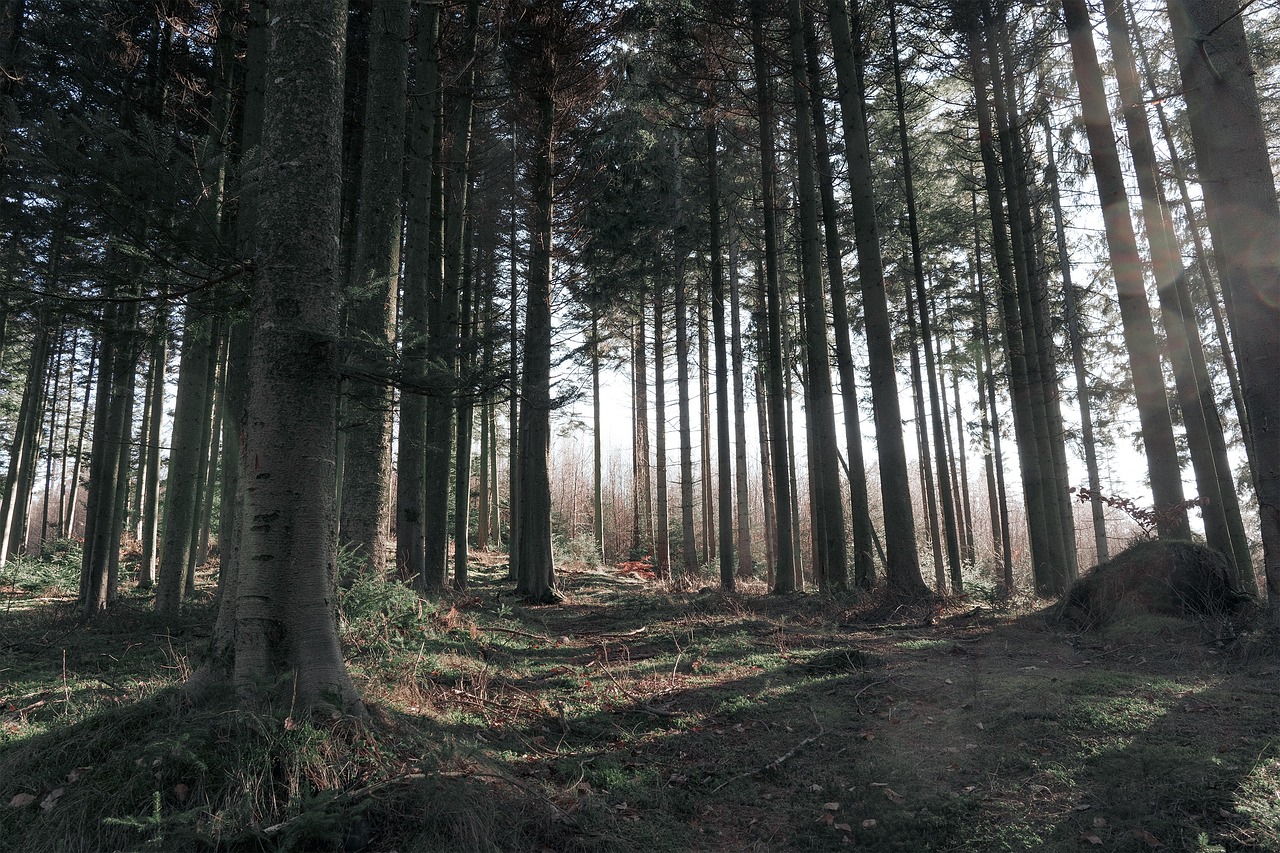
(1244, 219)
(285, 646)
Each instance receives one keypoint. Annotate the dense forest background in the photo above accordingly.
(910, 297)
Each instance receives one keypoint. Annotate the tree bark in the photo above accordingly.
(662, 525)
(859, 503)
(286, 638)
(724, 479)
(785, 574)
(410, 484)
(903, 566)
(1135, 313)
(372, 292)
(1224, 528)
(1244, 220)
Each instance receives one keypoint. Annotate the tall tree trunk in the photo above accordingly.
(1224, 527)
(928, 493)
(1201, 252)
(644, 491)
(1016, 357)
(286, 645)
(766, 480)
(705, 478)
(688, 541)
(73, 498)
(662, 525)
(903, 568)
(1042, 370)
(860, 511)
(372, 290)
(785, 574)
(832, 571)
(444, 306)
(597, 463)
(1140, 340)
(185, 461)
(151, 452)
(724, 479)
(535, 565)
(1071, 319)
(466, 412)
(746, 563)
(950, 528)
(1244, 220)
(419, 186)
(22, 452)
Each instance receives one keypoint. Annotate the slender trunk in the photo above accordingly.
(959, 451)
(662, 539)
(950, 527)
(597, 464)
(785, 574)
(903, 568)
(928, 494)
(204, 471)
(1224, 528)
(688, 543)
(1144, 358)
(466, 411)
(483, 504)
(1010, 313)
(1042, 370)
(724, 479)
(419, 189)
(22, 452)
(863, 562)
(61, 526)
(986, 370)
(644, 492)
(746, 563)
(69, 520)
(535, 565)
(833, 572)
(185, 461)
(1201, 252)
(766, 481)
(1071, 318)
(705, 478)
(444, 306)
(371, 293)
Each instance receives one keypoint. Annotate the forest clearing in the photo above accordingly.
(635, 718)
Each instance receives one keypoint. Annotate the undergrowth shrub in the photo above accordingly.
(54, 570)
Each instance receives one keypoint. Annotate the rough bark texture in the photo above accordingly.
(535, 565)
(1244, 219)
(286, 639)
(371, 296)
(410, 487)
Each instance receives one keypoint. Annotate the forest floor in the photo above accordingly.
(631, 718)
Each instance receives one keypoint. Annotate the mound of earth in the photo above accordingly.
(1179, 579)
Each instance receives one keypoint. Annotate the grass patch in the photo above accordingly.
(634, 718)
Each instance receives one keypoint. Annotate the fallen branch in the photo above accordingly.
(516, 633)
(777, 762)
